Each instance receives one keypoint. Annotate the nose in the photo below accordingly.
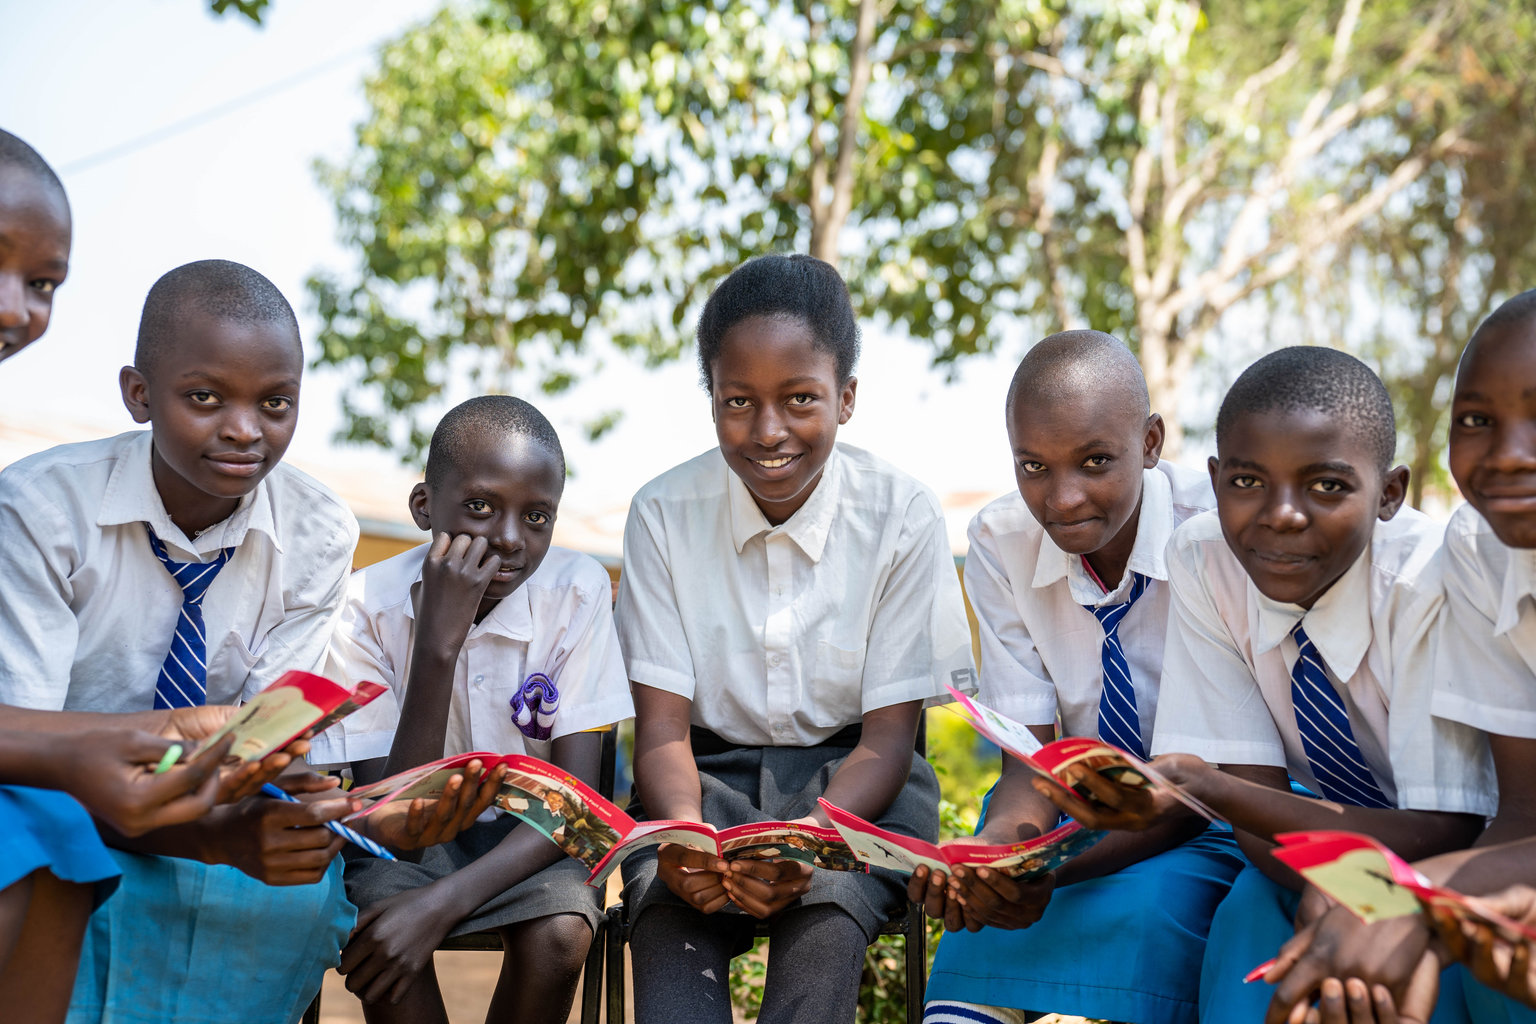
(241, 425)
(13, 302)
(508, 536)
(1066, 494)
(1513, 449)
(1283, 512)
(768, 426)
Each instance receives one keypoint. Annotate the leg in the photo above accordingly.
(540, 968)
(682, 963)
(37, 978)
(421, 1004)
(815, 961)
(14, 900)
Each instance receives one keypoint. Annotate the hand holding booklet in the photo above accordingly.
(298, 702)
(595, 831)
(1051, 760)
(1025, 861)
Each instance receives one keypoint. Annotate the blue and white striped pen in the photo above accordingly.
(337, 827)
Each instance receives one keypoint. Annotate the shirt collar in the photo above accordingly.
(512, 617)
(1339, 624)
(1154, 526)
(810, 524)
(131, 497)
(1519, 584)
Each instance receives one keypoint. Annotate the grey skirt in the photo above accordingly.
(750, 784)
(560, 888)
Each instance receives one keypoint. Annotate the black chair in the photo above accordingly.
(591, 974)
(911, 923)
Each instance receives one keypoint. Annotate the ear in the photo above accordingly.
(420, 504)
(1394, 489)
(1152, 443)
(1212, 465)
(845, 400)
(135, 391)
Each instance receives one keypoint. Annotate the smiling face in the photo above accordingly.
(777, 406)
(34, 255)
(1299, 494)
(505, 489)
(223, 400)
(1493, 430)
(1078, 464)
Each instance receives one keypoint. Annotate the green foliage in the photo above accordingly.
(252, 9)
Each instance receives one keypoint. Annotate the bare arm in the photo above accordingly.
(870, 778)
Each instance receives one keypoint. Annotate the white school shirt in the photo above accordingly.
(87, 611)
(559, 622)
(1041, 649)
(782, 635)
(1226, 691)
(1487, 669)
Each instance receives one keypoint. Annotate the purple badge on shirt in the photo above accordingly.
(534, 706)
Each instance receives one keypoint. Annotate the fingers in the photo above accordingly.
(930, 889)
(687, 857)
(300, 866)
(1068, 802)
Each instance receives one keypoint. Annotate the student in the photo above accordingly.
(456, 629)
(1486, 673)
(787, 605)
(94, 620)
(1301, 640)
(53, 867)
(1068, 581)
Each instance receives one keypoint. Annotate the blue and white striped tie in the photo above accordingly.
(1118, 721)
(183, 681)
(1326, 736)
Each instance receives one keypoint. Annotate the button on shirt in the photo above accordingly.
(559, 622)
(782, 635)
(1487, 669)
(88, 611)
(1040, 647)
(1226, 691)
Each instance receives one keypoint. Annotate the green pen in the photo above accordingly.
(172, 755)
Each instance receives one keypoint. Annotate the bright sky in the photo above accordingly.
(82, 79)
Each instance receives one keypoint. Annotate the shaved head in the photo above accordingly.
(1517, 311)
(1073, 363)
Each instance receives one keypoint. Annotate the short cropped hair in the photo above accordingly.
(1062, 365)
(218, 288)
(1515, 310)
(1307, 378)
(500, 416)
(16, 153)
(782, 286)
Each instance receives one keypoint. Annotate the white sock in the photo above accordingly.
(950, 1011)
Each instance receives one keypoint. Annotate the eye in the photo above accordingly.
(1244, 481)
(478, 507)
(801, 399)
(1031, 466)
(1474, 420)
(537, 518)
(277, 403)
(1097, 461)
(203, 397)
(736, 402)
(1330, 487)
(43, 285)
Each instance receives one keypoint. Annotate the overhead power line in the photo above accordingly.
(213, 113)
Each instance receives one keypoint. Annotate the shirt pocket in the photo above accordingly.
(838, 670)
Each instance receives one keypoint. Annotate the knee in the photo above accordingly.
(560, 942)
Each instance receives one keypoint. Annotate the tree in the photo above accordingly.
(537, 176)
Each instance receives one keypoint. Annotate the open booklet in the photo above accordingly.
(1049, 759)
(1375, 884)
(591, 828)
(1028, 860)
(298, 702)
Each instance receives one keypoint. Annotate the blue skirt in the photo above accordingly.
(184, 942)
(1124, 947)
(46, 829)
(1254, 921)
(1486, 1006)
